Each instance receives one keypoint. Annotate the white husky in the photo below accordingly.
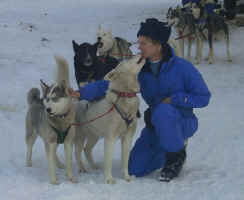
(115, 47)
(119, 108)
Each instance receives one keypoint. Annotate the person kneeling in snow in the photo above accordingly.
(171, 87)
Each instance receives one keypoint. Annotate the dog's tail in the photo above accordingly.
(33, 96)
(62, 71)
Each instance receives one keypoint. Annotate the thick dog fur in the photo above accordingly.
(114, 124)
(88, 66)
(116, 47)
(54, 111)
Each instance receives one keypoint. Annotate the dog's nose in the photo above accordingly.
(48, 110)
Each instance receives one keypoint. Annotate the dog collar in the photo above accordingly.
(125, 94)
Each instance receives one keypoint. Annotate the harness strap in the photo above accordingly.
(127, 120)
(61, 135)
(91, 120)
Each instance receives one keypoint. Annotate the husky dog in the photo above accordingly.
(176, 46)
(187, 28)
(116, 47)
(214, 24)
(51, 119)
(88, 66)
(119, 121)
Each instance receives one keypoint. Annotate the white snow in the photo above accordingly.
(214, 168)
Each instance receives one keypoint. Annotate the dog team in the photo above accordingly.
(107, 77)
(58, 119)
(199, 20)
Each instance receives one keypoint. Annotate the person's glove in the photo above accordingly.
(147, 118)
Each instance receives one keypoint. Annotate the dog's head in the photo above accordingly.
(85, 53)
(56, 98)
(124, 76)
(173, 16)
(196, 10)
(105, 41)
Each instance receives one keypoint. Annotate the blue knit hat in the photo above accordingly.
(156, 30)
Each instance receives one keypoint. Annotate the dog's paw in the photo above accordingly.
(54, 182)
(96, 167)
(29, 164)
(82, 170)
(60, 165)
(210, 62)
(73, 180)
(110, 181)
(129, 178)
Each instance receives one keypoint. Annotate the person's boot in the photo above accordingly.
(173, 165)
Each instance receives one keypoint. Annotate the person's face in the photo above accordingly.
(148, 48)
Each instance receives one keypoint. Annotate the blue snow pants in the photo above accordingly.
(170, 131)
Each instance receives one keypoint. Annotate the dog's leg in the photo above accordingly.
(181, 45)
(91, 142)
(228, 48)
(51, 149)
(108, 153)
(79, 146)
(59, 164)
(189, 48)
(30, 140)
(210, 42)
(201, 48)
(197, 50)
(126, 147)
(68, 158)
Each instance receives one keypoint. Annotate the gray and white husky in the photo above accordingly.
(50, 118)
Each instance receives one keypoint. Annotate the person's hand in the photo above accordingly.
(75, 94)
(167, 100)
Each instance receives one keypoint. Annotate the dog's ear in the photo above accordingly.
(75, 46)
(44, 87)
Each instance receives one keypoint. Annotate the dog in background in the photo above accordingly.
(88, 66)
(183, 21)
(50, 118)
(214, 24)
(116, 47)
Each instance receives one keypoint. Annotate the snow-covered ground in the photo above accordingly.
(32, 32)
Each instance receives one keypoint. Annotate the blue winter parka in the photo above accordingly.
(179, 80)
